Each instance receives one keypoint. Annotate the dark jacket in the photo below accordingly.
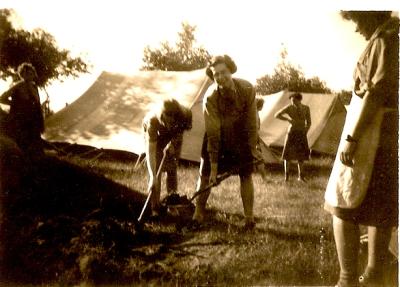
(231, 120)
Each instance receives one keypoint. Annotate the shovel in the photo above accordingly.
(150, 190)
(222, 177)
(182, 208)
(180, 204)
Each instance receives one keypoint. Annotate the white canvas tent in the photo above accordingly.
(327, 117)
(110, 113)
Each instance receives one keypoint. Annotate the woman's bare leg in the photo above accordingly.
(347, 239)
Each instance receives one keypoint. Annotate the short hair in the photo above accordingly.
(225, 59)
(24, 67)
(296, 96)
(366, 16)
(259, 103)
(182, 115)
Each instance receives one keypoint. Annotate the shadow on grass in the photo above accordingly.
(227, 222)
(61, 223)
(293, 236)
(88, 152)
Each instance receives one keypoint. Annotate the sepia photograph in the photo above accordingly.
(199, 143)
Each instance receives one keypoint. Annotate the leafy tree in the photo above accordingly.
(37, 47)
(288, 77)
(184, 56)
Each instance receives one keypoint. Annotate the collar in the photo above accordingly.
(388, 26)
(228, 91)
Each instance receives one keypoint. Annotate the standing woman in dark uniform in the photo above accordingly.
(363, 186)
(296, 144)
(25, 120)
(230, 117)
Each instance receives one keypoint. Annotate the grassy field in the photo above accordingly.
(291, 245)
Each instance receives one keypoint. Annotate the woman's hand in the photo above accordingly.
(152, 182)
(170, 149)
(257, 156)
(347, 153)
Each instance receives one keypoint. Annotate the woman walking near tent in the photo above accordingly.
(231, 135)
(363, 186)
(296, 144)
(164, 129)
(25, 120)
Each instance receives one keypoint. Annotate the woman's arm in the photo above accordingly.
(150, 134)
(370, 104)
(251, 122)
(281, 115)
(213, 130)
(308, 119)
(151, 152)
(380, 75)
(5, 97)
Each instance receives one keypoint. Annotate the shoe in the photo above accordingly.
(370, 279)
(193, 225)
(155, 215)
(346, 285)
(301, 179)
(198, 216)
(249, 225)
(343, 284)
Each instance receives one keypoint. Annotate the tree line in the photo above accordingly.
(187, 56)
(38, 48)
(54, 63)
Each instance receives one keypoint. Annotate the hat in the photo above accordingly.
(296, 96)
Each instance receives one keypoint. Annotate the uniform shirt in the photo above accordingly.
(155, 132)
(230, 119)
(377, 69)
(300, 115)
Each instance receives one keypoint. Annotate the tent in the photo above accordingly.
(327, 116)
(110, 113)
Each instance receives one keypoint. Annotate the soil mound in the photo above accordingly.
(62, 223)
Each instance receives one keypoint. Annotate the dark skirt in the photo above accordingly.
(380, 206)
(296, 146)
(235, 162)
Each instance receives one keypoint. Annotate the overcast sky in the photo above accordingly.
(111, 35)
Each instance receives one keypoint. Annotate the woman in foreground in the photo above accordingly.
(363, 187)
